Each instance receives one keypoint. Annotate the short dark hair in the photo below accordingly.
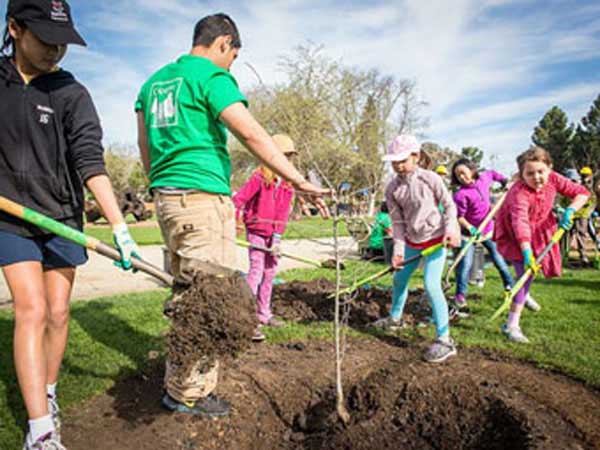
(463, 162)
(384, 207)
(211, 27)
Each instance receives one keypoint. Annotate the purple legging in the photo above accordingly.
(261, 274)
(519, 298)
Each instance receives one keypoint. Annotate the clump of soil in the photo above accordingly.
(310, 301)
(331, 264)
(212, 318)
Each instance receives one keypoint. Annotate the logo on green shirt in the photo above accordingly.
(164, 101)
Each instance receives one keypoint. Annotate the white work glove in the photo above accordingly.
(125, 244)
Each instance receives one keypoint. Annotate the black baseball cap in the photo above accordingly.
(49, 20)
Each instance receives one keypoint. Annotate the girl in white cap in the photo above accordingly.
(50, 145)
(414, 197)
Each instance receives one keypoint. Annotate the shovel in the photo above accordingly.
(355, 286)
(329, 264)
(528, 273)
(472, 240)
(76, 236)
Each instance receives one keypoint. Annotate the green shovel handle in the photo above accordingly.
(355, 286)
(528, 273)
(79, 238)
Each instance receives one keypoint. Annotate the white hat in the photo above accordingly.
(402, 147)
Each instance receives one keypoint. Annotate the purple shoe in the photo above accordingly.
(460, 300)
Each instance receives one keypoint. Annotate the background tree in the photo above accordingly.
(555, 134)
(474, 154)
(340, 117)
(586, 142)
(125, 168)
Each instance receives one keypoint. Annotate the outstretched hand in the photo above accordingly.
(309, 193)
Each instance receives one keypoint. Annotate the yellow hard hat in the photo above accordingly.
(441, 170)
(585, 171)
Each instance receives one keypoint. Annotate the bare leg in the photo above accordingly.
(26, 283)
(59, 283)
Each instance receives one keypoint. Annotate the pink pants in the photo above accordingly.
(261, 274)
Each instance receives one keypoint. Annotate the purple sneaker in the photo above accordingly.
(460, 300)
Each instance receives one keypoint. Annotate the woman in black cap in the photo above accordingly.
(50, 147)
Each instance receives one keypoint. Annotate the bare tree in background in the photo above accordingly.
(344, 115)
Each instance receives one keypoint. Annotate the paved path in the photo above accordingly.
(99, 277)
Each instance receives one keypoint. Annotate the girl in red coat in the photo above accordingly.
(525, 224)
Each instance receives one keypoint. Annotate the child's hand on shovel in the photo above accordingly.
(529, 261)
(451, 239)
(126, 246)
(397, 262)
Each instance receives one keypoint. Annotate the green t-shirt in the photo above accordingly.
(382, 221)
(181, 104)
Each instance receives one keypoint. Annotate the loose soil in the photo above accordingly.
(282, 398)
(309, 301)
(213, 318)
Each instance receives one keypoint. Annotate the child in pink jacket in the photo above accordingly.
(265, 201)
(525, 224)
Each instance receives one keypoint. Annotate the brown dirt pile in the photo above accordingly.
(211, 319)
(309, 301)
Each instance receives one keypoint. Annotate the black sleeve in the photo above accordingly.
(84, 135)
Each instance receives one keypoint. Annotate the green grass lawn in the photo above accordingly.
(112, 337)
(306, 228)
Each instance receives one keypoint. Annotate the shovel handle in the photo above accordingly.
(79, 238)
(472, 240)
(247, 244)
(528, 273)
(426, 252)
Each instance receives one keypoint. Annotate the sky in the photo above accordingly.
(488, 69)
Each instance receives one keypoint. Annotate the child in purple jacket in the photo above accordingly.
(473, 204)
(265, 200)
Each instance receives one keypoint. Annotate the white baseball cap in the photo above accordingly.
(402, 147)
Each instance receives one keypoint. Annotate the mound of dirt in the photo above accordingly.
(282, 399)
(310, 301)
(213, 318)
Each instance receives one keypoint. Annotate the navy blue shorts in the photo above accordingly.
(52, 251)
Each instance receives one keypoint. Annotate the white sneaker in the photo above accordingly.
(514, 334)
(46, 442)
(389, 323)
(531, 304)
(54, 411)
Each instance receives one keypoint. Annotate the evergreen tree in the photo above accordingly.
(588, 137)
(554, 134)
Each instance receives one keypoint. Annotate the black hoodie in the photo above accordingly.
(50, 144)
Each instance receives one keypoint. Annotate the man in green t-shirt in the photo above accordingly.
(381, 229)
(183, 112)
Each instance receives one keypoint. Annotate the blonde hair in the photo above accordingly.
(534, 154)
(268, 175)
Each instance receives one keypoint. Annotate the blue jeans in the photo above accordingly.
(464, 266)
(434, 266)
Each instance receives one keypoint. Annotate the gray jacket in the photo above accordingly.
(421, 208)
